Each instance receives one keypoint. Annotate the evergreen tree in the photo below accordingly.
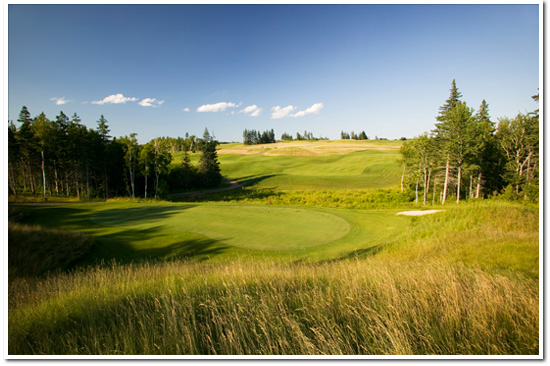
(286, 137)
(487, 159)
(454, 99)
(443, 133)
(209, 167)
(103, 132)
(458, 131)
(29, 151)
(13, 156)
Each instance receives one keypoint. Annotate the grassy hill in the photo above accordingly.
(309, 259)
(460, 282)
(312, 165)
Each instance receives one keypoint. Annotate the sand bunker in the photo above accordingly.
(419, 213)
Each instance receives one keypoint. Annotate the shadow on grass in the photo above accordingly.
(118, 246)
(357, 254)
(137, 215)
(362, 253)
(115, 248)
(254, 179)
(79, 218)
(233, 194)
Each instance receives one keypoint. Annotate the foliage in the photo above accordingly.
(253, 137)
(62, 159)
(353, 199)
(519, 138)
(464, 144)
(209, 166)
(286, 137)
(353, 136)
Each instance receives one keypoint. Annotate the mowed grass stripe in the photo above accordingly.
(319, 167)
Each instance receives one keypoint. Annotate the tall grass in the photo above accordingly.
(249, 307)
(424, 295)
(35, 251)
(355, 199)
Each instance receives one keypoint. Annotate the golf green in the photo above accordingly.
(249, 227)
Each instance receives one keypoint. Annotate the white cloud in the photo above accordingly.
(186, 110)
(314, 109)
(279, 112)
(252, 110)
(115, 99)
(60, 101)
(150, 102)
(218, 107)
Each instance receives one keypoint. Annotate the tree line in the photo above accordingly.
(62, 157)
(306, 136)
(253, 137)
(469, 156)
(353, 136)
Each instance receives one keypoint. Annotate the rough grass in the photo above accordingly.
(431, 293)
(35, 251)
(353, 199)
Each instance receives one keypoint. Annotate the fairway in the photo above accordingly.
(311, 165)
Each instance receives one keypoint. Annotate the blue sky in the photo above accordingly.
(164, 70)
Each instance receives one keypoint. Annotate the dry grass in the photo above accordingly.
(425, 295)
(309, 148)
(249, 307)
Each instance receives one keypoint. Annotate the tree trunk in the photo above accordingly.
(402, 178)
(145, 186)
(106, 184)
(446, 184)
(478, 189)
(458, 184)
(76, 184)
(471, 192)
(156, 183)
(31, 180)
(56, 181)
(43, 175)
(131, 170)
(11, 179)
(425, 186)
(433, 198)
(87, 181)
(416, 190)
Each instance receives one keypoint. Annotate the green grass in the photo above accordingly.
(462, 282)
(134, 231)
(35, 251)
(309, 259)
(311, 165)
(356, 170)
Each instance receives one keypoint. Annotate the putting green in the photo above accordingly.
(249, 227)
